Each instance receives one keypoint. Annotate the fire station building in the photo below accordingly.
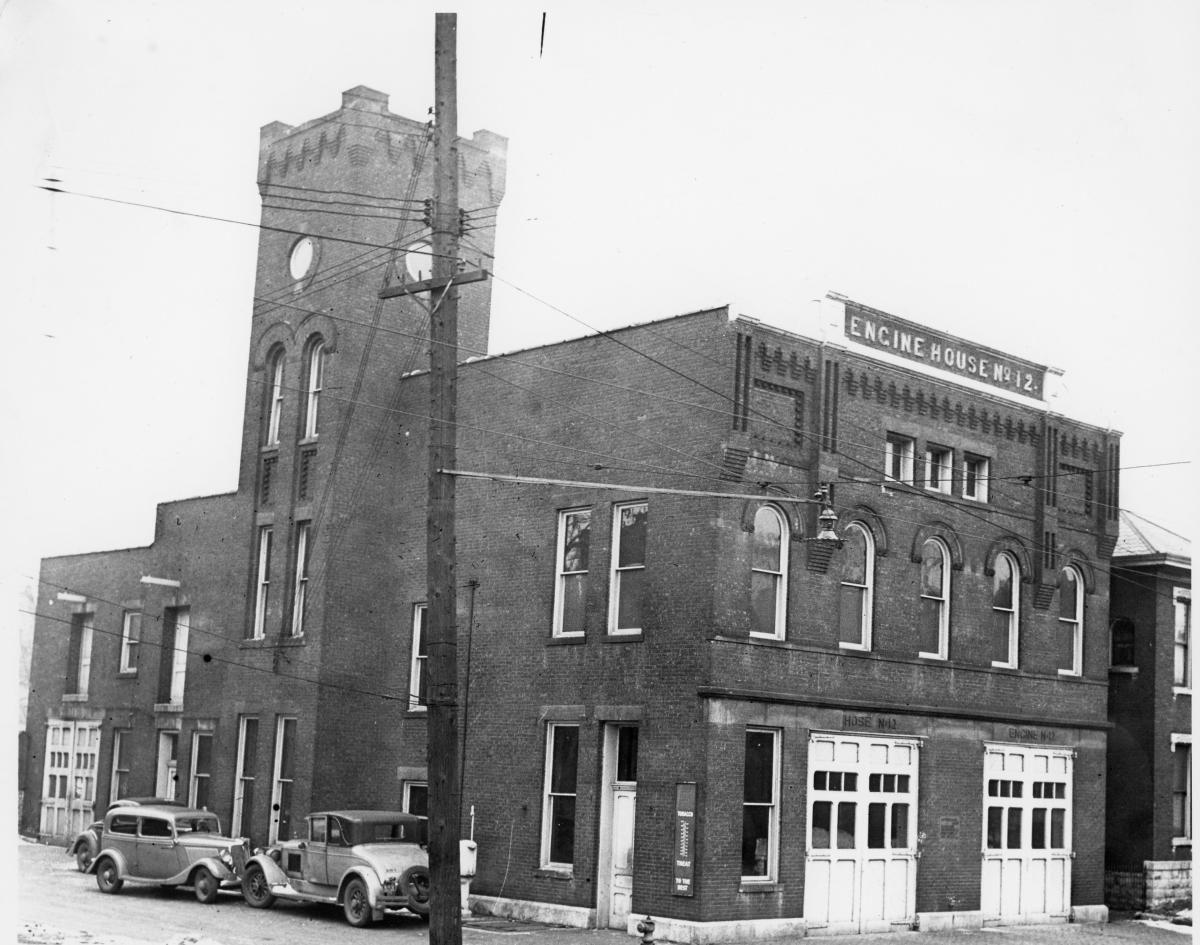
(688, 688)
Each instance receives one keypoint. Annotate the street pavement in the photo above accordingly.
(57, 905)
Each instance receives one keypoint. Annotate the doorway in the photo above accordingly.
(618, 808)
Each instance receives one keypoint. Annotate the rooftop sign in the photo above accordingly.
(906, 339)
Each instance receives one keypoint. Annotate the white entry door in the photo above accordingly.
(1026, 833)
(69, 784)
(624, 802)
(618, 815)
(861, 866)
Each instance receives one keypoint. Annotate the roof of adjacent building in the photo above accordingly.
(1141, 538)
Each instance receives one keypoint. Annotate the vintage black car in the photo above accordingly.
(368, 862)
(86, 844)
(169, 846)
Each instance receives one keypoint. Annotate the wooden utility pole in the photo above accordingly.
(445, 816)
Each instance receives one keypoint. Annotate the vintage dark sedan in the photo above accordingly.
(368, 862)
(170, 846)
(86, 844)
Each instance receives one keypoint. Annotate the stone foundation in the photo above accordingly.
(1161, 885)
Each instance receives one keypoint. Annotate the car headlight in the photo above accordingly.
(227, 858)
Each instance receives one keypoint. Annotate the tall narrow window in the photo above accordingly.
(167, 775)
(243, 780)
(131, 636)
(939, 463)
(201, 770)
(275, 404)
(628, 578)
(935, 600)
(79, 655)
(118, 786)
(173, 654)
(898, 459)
(300, 578)
(285, 773)
(1183, 638)
(768, 572)
(262, 589)
(857, 588)
(1070, 622)
(1181, 791)
(760, 806)
(315, 382)
(558, 809)
(975, 478)
(418, 686)
(1123, 637)
(570, 592)
(1006, 609)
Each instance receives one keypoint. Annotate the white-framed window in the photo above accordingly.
(244, 776)
(1070, 620)
(975, 478)
(285, 773)
(571, 580)
(173, 655)
(300, 578)
(275, 404)
(760, 806)
(558, 807)
(262, 582)
(898, 458)
(1181, 790)
(768, 574)
(1006, 610)
(627, 582)
(118, 785)
(418, 679)
(939, 468)
(167, 770)
(131, 636)
(856, 602)
(201, 774)
(1182, 599)
(416, 798)
(79, 655)
(315, 381)
(935, 599)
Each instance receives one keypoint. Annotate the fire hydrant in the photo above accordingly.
(646, 927)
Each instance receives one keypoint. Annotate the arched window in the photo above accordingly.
(935, 600)
(1070, 622)
(313, 383)
(275, 398)
(1006, 611)
(858, 588)
(768, 574)
(1122, 642)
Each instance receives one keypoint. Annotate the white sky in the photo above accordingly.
(1022, 174)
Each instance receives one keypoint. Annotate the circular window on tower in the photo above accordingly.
(418, 261)
(304, 253)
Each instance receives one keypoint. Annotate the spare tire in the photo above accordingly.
(415, 886)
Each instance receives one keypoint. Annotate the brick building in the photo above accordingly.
(1149, 823)
(678, 700)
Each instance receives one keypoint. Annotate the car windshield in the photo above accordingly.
(197, 825)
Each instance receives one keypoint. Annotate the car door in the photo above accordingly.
(314, 853)
(339, 856)
(157, 854)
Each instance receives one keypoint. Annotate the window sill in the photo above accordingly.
(269, 450)
(74, 697)
(933, 656)
(555, 872)
(1181, 841)
(624, 637)
(127, 674)
(292, 641)
(1181, 690)
(854, 647)
(1069, 672)
(168, 707)
(753, 886)
(767, 637)
(308, 440)
(1122, 670)
(1010, 666)
(564, 639)
(421, 712)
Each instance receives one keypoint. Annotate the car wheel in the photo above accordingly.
(355, 903)
(107, 877)
(255, 888)
(415, 885)
(205, 885)
(83, 857)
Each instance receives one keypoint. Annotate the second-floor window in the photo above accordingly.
(857, 588)
(275, 399)
(768, 574)
(262, 590)
(975, 478)
(314, 383)
(898, 459)
(935, 600)
(1070, 621)
(131, 636)
(1183, 638)
(79, 655)
(628, 579)
(300, 578)
(418, 686)
(938, 468)
(570, 591)
(1006, 608)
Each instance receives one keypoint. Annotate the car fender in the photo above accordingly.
(374, 886)
(215, 865)
(80, 842)
(271, 870)
(116, 856)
